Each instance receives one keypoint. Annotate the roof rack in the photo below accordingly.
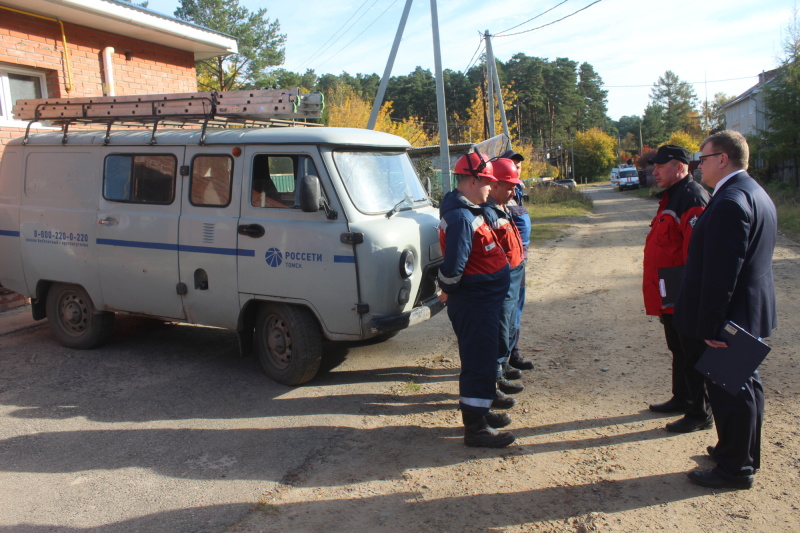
(262, 108)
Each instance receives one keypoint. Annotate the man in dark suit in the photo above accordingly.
(728, 276)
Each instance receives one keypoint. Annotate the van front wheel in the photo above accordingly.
(288, 342)
(73, 319)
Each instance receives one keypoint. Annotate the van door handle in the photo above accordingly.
(252, 230)
(108, 221)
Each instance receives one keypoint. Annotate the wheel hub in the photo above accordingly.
(280, 342)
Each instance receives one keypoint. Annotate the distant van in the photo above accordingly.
(289, 236)
(628, 178)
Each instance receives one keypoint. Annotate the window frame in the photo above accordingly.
(230, 180)
(134, 155)
(6, 105)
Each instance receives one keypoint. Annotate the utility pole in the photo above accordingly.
(495, 78)
(444, 150)
(376, 105)
(490, 83)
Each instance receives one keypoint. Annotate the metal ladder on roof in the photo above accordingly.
(261, 108)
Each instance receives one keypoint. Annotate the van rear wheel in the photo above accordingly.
(288, 342)
(74, 320)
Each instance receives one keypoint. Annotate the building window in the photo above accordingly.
(18, 84)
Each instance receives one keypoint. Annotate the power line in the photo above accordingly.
(474, 55)
(553, 22)
(690, 82)
(360, 33)
(531, 19)
(340, 32)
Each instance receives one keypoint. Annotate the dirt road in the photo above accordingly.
(588, 456)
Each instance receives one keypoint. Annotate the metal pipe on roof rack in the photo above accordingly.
(68, 85)
(108, 72)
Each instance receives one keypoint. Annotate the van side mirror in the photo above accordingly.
(311, 199)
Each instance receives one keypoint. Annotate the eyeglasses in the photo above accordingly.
(702, 158)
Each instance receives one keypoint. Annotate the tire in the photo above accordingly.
(74, 320)
(288, 342)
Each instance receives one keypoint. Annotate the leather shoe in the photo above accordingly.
(688, 425)
(521, 364)
(512, 373)
(510, 387)
(717, 480)
(502, 401)
(670, 406)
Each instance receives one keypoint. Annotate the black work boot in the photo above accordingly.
(520, 363)
(510, 387)
(497, 420)
(512, 373)
(503, 401)
(478, 434)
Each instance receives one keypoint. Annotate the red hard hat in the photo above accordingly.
(506, 170)
(475, 164)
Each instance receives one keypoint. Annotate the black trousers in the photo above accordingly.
(688, 385)
(738, 420)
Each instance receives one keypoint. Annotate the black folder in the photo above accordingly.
(730, 367)
(669, 281)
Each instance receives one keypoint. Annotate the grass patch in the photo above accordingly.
(412, 387)
(553, 202)
(545, 232)
(787, 203)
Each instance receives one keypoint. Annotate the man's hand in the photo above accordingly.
(717, 344)
(443, 297)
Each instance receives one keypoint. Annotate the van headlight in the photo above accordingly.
(406, 263)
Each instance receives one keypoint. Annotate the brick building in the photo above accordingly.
(79, 48)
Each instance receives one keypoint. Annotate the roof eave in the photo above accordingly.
(133, 21)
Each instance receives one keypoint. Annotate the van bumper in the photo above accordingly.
(421, 313)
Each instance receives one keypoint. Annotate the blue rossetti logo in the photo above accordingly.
(274, 257)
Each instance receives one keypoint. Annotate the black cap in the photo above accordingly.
(670, 152)
(511, 154)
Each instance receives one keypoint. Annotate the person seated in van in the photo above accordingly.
(474, 279)
(264, 192)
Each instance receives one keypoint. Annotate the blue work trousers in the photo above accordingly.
(475, 313)
(509, 320)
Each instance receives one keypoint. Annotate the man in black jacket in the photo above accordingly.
(680, 205)
(728, 277)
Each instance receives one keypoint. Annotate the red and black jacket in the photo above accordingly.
(667, 243)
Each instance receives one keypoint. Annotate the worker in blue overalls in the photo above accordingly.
(474, 279)
(500, 219)
(519, 214)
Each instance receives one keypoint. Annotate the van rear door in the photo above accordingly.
(137, 230)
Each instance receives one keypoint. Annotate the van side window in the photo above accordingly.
(274, 178)
(212, 177)
(144, 179)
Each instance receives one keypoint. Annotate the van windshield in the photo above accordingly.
(630, 173)
(379, 182)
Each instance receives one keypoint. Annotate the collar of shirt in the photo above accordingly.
(723, 180)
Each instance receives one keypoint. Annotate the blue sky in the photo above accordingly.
(719, 45)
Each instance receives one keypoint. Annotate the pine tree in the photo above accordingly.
(261, 45)
(781, 138)
(679, 102)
